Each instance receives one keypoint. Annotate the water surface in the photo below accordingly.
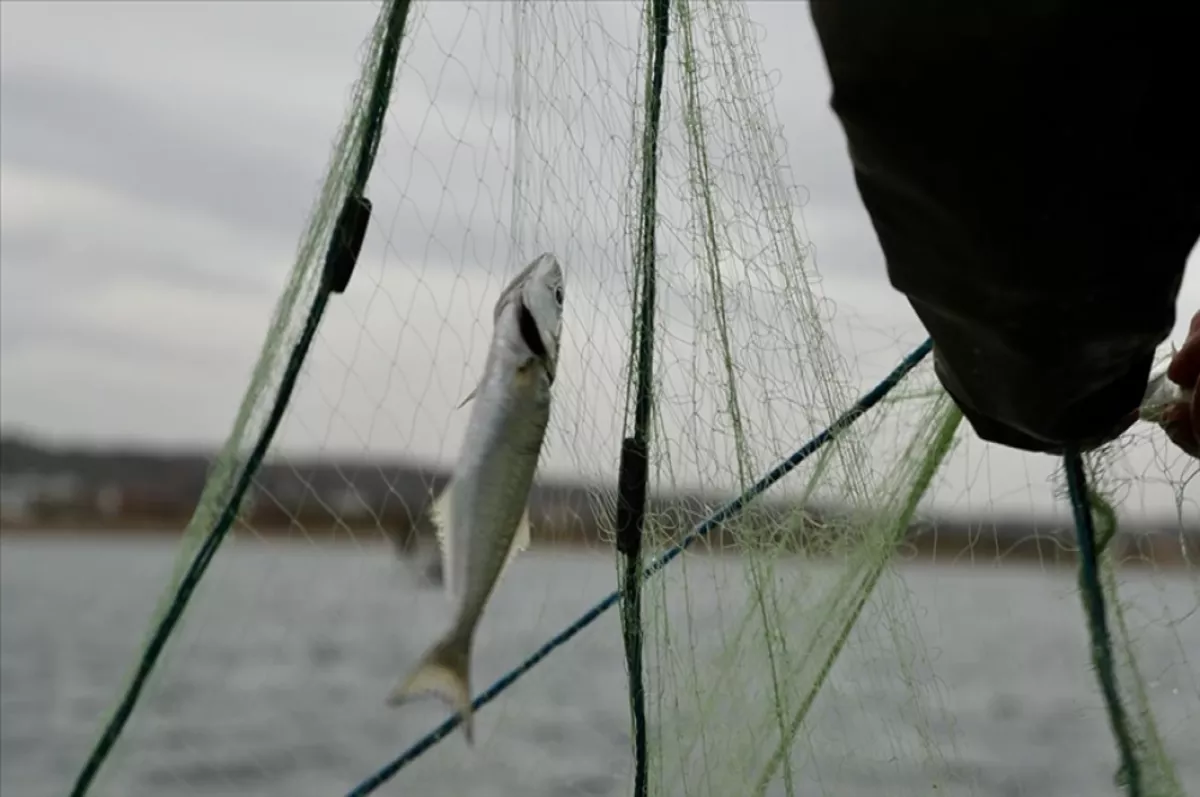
(275, 684)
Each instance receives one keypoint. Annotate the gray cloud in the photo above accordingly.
(154, 190)
(78, 126)
(41, 262)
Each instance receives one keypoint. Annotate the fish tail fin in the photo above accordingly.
(443, 672)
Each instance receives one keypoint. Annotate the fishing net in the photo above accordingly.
(884, 620)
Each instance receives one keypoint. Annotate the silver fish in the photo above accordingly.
(481, 516)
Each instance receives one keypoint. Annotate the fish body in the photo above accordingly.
(481, 516)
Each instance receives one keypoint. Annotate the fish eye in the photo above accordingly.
(558, 294)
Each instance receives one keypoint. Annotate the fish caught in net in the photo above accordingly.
(850, 631)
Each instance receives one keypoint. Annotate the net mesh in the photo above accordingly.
(850, 633)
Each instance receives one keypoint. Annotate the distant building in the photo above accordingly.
(16, 501)
(347, 503)
(110, 500)
(22, 494)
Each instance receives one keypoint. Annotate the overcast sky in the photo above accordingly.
(159, 161)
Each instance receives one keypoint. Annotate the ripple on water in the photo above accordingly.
(598, 785)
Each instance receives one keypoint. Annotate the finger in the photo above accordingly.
(1185, 365)
(1178, 423)
(1196, 403)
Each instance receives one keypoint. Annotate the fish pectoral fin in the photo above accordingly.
(521, 539)
(443, 522)
(444, 673)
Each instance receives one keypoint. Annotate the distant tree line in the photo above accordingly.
(110, 488)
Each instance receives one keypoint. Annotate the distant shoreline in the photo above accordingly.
(929, 545)
(54, 490)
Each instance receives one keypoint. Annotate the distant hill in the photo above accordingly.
(93, 467)
(390, 495)
(81, 487)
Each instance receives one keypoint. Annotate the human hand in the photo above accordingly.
(1181, 420)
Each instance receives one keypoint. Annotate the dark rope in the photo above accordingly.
(633, 472)
(1092, 594)
(381, 94)
(201, 561)
(343, 250)
(705, 527)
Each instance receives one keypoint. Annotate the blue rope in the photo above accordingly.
(724, 513)
(1092, 594)
(199, 565)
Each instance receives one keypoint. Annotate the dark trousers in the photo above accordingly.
(1032, 171)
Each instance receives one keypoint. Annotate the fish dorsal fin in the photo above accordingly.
(440, 515)
(470, 396)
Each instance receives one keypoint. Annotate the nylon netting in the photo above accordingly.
(882, 639)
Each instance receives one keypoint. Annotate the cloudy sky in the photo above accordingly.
(159, 161)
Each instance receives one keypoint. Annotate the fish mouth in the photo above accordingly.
(548, 260)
